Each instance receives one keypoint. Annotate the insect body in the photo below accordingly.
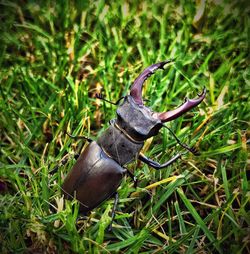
(100, 168)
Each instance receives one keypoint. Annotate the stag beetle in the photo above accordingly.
(99, 170)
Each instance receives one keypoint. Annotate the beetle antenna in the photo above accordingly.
(101, 97)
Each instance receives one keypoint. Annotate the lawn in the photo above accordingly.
(55, 56)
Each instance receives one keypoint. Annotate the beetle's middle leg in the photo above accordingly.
(62, 163)
(66, 158)
(157, 165)
(79, 137)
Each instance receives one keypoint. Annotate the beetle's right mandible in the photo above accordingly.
(136, 93)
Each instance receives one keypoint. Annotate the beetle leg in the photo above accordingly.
(113, 211)
(193, 150)
(133, 177)
(100, 96)
(157, 165)
(79, 137)
(63, 162)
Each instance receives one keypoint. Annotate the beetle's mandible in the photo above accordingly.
(100, 168)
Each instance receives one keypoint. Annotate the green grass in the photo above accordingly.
(56, 56)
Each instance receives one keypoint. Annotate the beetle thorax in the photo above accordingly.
(137, 120)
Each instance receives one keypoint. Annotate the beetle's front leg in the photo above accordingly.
(157, 165)
(193, 150)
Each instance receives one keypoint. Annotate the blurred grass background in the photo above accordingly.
(56, 55)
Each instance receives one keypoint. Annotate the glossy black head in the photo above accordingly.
(137, 120)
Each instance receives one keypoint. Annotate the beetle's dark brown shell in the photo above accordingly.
(94, 178)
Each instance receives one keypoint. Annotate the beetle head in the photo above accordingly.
(140, 121)
(137, 120)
